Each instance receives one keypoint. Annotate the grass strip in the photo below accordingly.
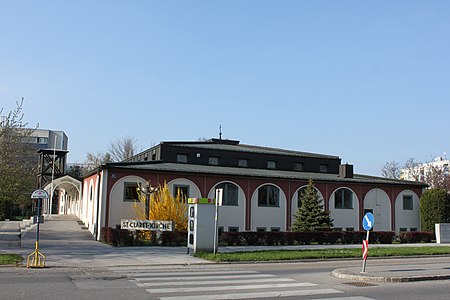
(273, 255)
(10, 259)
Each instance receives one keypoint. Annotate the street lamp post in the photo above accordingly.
(148, 190)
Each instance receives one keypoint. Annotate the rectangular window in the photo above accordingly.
(337, 228)
(298, 167)
(182, 158)
(323, 168)
(233, 229)
(220, 230)
(260, 229)
(349, 229)
(407, 202)
(271, 164)
(213, 160)
(130, 193)
(402, 229)
(43, 140)
(182, 189)
(275, 229)
(413, 229)
(243, 163)
(268, 195)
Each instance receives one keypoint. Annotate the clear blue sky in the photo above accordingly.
(368, 81)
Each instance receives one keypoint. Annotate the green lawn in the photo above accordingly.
(10, 259)
(271, 255)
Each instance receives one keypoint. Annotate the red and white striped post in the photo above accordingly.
(365, 251)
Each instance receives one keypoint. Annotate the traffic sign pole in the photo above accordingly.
(218, 202)
(368, 221)
(37, 259)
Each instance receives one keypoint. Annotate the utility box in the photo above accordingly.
(442, 233)
(201, 227)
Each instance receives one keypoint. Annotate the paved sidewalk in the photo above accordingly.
(66, 244)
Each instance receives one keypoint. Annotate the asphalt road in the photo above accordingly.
(80, 268)
(299, 280)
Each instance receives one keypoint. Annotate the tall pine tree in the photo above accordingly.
(311, 215)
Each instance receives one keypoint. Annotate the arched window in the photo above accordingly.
(269, 195)
(343, 198)
(230, 193)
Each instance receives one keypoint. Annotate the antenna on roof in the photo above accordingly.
(220, 132)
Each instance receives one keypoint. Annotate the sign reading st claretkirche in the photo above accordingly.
(147, 225)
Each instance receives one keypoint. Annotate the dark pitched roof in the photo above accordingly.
(158, 166)
(232, 145)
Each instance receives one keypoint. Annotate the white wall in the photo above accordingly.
(345, 217)
(377, 200)
(407, 218)
(268, 216)
(82, 212)
(294, 201)
(231, 215)
(90, 204)
(119, 209)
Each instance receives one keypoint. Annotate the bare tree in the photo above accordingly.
(122, 149)
(95, 160)
(437, 178)
(412, 169)
(391, 170)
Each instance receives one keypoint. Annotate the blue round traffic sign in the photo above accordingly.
(368, 221)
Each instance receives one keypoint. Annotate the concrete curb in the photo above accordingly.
(347, 274)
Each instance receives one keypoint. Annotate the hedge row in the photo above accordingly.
(122, 238)
(304, 238)
(416, 237)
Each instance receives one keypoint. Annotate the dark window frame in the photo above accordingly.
(341, 201)
(243, 162)
(268, 196)
(182, 158)
(323, 168)
(182, 187)
(233, 228)
(298, 167)
(271, 164)
(227, 186)
(408, 202)
(213, 160)
(130, 193)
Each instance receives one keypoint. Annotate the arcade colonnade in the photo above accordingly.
(66, 193)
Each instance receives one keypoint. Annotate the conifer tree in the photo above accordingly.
(311, 215)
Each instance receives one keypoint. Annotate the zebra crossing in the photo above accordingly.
(213, 283)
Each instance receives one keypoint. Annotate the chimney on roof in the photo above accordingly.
(346, 171)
